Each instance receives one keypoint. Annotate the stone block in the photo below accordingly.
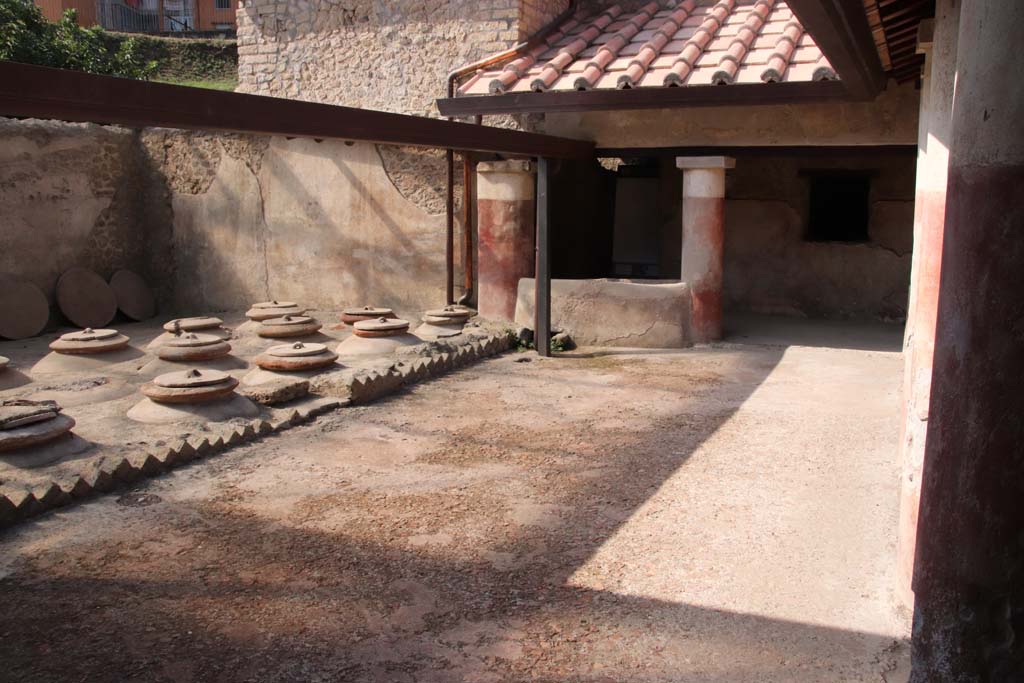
(277, 391)
(613, 312)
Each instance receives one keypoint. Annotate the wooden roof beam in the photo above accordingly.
(46, 93)
(644, 98)
(840, 28)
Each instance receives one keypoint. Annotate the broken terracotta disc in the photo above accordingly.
(16, 413)
(35, 433)
(381, 327)
(134, 297)
(24, 310)
(85, 298)
(189, 379)
(288, 326)
(295, 357)
(90, 341)
(193, 346)
(193, 324)
(354, 315)
(273, 309)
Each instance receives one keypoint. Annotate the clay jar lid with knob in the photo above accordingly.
(452, 313)
(190, 386)
(89, 341)
(288, 326)
(193, 324)
(381, 327)
(354, 315)
(296, 357)
(193, 346)
(265, 310)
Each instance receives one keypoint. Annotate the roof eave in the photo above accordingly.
(644, 98)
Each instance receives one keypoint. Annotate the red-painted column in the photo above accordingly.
(937, 41)
(506, 192)
(969, 572)
(703, 240)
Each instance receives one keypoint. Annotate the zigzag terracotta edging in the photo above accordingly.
(22, 504)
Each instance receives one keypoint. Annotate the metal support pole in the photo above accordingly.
(449, 239)
(468, 174)
(542, 279)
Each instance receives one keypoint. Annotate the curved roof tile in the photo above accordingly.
(674, 43)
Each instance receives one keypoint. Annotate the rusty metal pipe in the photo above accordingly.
(511, 53)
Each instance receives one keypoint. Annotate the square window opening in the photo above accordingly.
(839, 209)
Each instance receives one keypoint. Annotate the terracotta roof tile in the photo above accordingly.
(675, 43)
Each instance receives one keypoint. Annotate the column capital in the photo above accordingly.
(508, 166)
(705, 162)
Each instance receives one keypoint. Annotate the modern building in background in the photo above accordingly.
(148, 16)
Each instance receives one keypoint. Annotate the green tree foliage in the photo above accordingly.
(26, 36)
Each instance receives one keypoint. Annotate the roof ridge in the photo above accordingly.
(729, 64)
(610, 50)
(553, 69)
(785, 46)
(683, 64)
(653, 47)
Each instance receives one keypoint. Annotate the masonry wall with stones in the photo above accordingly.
(215, 222)
(392, 56)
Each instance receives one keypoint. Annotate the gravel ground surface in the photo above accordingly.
(722, 514)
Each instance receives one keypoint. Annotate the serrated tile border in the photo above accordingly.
(18, 504)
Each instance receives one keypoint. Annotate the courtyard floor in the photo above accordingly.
(723, 514)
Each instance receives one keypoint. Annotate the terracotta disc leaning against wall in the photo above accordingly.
(85, 298)
(134, 297)
(24, 310)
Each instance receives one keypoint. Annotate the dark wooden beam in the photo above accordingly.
(815, 151)
(644, 98)
(840, 28)
(41, 92)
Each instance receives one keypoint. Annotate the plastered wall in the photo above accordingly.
(68, 194)
(215, 222)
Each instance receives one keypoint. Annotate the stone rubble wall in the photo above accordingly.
(392, 56)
